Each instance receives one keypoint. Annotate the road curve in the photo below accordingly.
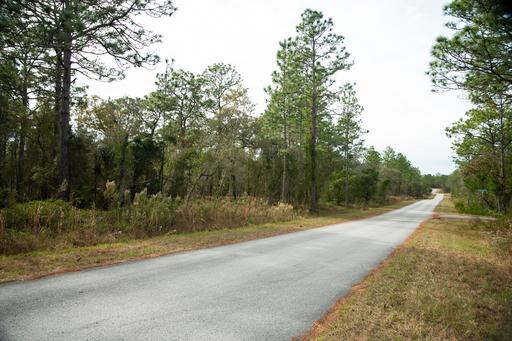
(266, 289)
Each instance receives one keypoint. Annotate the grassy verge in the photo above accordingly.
(446, 206)
(36, 264)
(450, 281)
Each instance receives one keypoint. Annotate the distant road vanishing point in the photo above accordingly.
(266, 289)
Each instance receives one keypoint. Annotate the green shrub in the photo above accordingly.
(12, 241)
(7, 198)
(49, 216)
(44, 224)
(151, 214)
(471, 207)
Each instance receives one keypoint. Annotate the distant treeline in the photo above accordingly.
(196, 136)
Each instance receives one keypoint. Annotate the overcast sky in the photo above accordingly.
(389, 42)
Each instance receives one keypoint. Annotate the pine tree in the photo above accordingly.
(321, 54)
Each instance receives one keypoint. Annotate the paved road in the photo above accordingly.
(267, 289)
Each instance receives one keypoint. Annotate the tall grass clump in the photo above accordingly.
(49, 217)
(46, 224)
(210, 213)
(151, 214)
(50, 224)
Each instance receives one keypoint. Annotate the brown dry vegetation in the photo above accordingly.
(64, 257)
(54, 224)
(451, 281)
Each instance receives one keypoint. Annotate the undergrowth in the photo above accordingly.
(50, 224)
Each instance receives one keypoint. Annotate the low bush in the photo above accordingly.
(151, 214)
(40, 217)
(471, 207)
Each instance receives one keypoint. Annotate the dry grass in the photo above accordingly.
(36, 264)
(446, 205)
(451, 281)
(55, 224)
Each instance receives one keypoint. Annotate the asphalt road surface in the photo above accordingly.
(266, 289)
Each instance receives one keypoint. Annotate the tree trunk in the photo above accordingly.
(12, 161)
(97, 171)
(3, 154)
(248, 178)
(161, 171)
(221, 183)
(347, 178)
(193, 187)
(313, 206)
(122, 171)
(20, 176)
(505, 195)
(55, 150)
(57, 101)
(285, 139)
(283, 180)
(232, 186)
(3, 143)
(20, 166)
(210, 185)
(65, 129)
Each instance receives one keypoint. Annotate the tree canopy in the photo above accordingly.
(477, 59)
(195, 136)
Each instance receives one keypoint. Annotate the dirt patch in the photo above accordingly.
(463, 217)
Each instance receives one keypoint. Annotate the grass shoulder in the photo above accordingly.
(446, 205)
(450, 281)
(29, 265)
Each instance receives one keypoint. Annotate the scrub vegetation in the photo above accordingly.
(49, 224)
(66, 253)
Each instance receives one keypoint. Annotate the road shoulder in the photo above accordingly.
(449, 280)
(34, 265)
